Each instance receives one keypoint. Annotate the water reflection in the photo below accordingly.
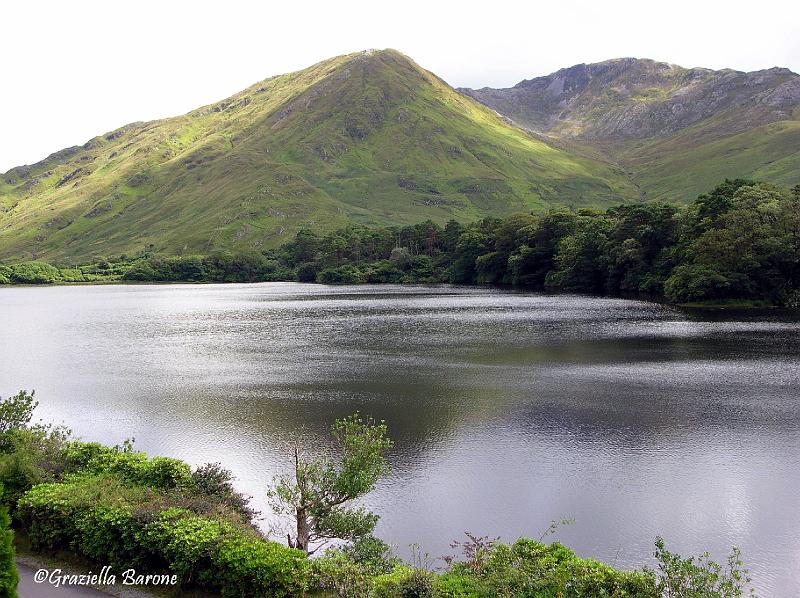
(508, 409)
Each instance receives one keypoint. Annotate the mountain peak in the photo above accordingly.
(636, 98)
(366, 137)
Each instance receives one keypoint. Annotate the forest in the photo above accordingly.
(738, 244)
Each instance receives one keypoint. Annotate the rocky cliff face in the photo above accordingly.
(629, 98)
(675, 131)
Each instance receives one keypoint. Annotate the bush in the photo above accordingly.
(214, 481)
(700, 577)
(451, 585)
(347, 274)
(29, 457)
(8, 567)
(695, 283)
(72, 275)
(106, 519)
(136, 467)
(389, 585)
(372, 553)
(530, 568)
(338, 574)
(34, 273)
(306, 272)
(16, 412)
(418, 584)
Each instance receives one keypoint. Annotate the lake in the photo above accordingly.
(509, 410)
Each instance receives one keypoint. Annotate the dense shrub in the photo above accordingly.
(30, 456)
(8, 566)
(216, 482)
(341, 576)
(217, 267)
(136, 467)
(345, 274)
(530, 568)
(16, 411)
(34, 273)
(107, 519)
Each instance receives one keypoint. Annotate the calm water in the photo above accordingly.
(508, 410)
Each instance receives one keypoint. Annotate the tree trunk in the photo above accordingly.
(303, 530)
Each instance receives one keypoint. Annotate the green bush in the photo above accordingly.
(109, 520)
(34, 273)
(700, 577)
(451, 585)
(16, 411)
(29, 457)
(216, 482)
(530, 568)
(346, 274)
(8, 567)
(72, 275)
(158, 472)
(372, 553)
(389, 585)
(418, 584)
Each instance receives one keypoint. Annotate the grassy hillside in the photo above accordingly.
(368, 137)
(678, 168)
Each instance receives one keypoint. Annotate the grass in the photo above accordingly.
(678, 169)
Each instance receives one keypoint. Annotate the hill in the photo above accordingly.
(676, 131)
(368, 137)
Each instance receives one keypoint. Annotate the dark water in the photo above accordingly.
(508, 410)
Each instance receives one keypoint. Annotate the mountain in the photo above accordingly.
(676, 131)
(369, 137)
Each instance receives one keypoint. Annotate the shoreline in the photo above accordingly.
(723, 305)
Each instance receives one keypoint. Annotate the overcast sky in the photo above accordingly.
(73, 70)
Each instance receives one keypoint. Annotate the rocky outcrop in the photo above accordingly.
(630, 98)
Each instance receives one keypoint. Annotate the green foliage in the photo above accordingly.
(418, 584)
(117, 506)
(345, 274)
(8, 566)
(316, 496)
(215, 481)
(336, 573)
(217, 267)
(700, 577)
(371, 553)
(107, 519)
(16, 411)
(739, 242)
(369, 138)
(32, 273)
(530, 568)
(30, 456)
(743, 247)
(136, 467)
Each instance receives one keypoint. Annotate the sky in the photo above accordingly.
(73, 70)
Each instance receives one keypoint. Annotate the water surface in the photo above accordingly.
(509, 410)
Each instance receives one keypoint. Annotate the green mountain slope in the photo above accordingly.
(368, 137)
(676, 131)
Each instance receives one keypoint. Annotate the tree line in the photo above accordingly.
(738, 243)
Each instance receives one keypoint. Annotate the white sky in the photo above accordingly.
(70, 70)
